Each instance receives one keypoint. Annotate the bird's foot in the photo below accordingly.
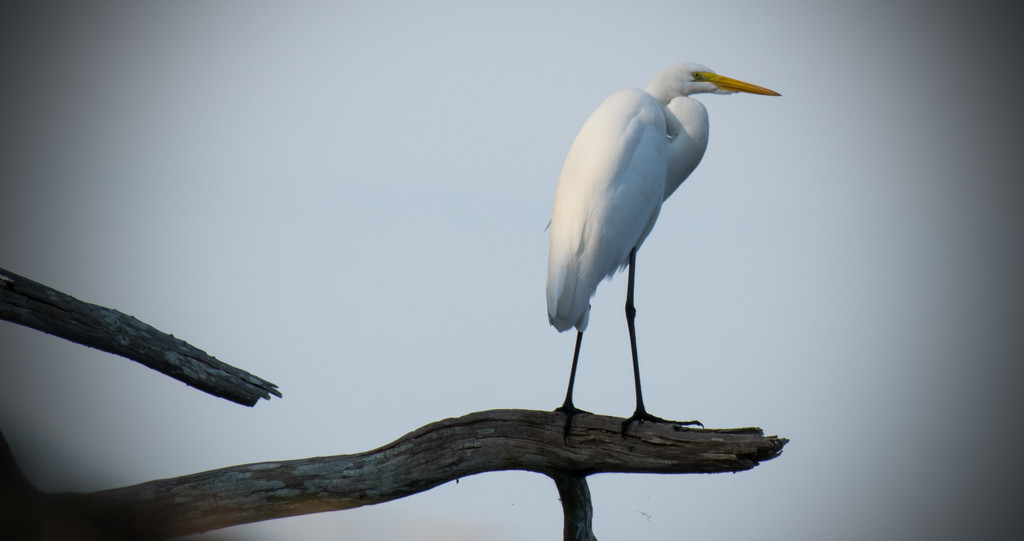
(570, 411)
(641, 416)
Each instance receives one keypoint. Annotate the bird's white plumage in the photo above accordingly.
(631, 155)
(687, 124)
(608, 197)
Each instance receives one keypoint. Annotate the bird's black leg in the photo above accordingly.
(640, 414)
(567, 407)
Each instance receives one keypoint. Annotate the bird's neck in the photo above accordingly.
(662, 94)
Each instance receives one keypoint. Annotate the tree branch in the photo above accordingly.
(494, 440)
(577, 511)
(45, 309)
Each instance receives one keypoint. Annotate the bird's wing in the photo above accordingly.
(608, 196)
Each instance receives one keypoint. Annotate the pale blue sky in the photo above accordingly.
(349, 199)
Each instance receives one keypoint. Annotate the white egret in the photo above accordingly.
(630, 155)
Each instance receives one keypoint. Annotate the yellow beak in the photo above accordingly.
(728, 83)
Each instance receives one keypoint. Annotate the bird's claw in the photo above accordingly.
(643, 416)
(570, 411)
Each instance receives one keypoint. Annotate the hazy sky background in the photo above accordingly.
(349, 199)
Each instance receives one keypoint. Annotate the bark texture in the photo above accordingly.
(443, 451)
(43, 308)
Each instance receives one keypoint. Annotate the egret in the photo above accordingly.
(627, 159)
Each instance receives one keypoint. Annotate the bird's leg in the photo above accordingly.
(640, 414)
(567, 407)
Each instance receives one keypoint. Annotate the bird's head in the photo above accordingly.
(691, 78)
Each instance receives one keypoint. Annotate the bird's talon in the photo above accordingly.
(570, 411)
(642, 416)
(678, 425)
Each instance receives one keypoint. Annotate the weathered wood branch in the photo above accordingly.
(494, 440)
(45, 309)
(577, 509)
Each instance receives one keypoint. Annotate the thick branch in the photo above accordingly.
(577, 510)
(485, 441)
(45, 309)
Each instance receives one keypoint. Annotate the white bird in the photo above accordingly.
(630, 155)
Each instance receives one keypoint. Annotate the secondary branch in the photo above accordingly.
(45, 309)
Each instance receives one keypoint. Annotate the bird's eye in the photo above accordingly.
(696, 75)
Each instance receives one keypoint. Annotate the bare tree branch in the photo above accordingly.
(45, 309)
(430, 456)
(577, 510)
(494, 440)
